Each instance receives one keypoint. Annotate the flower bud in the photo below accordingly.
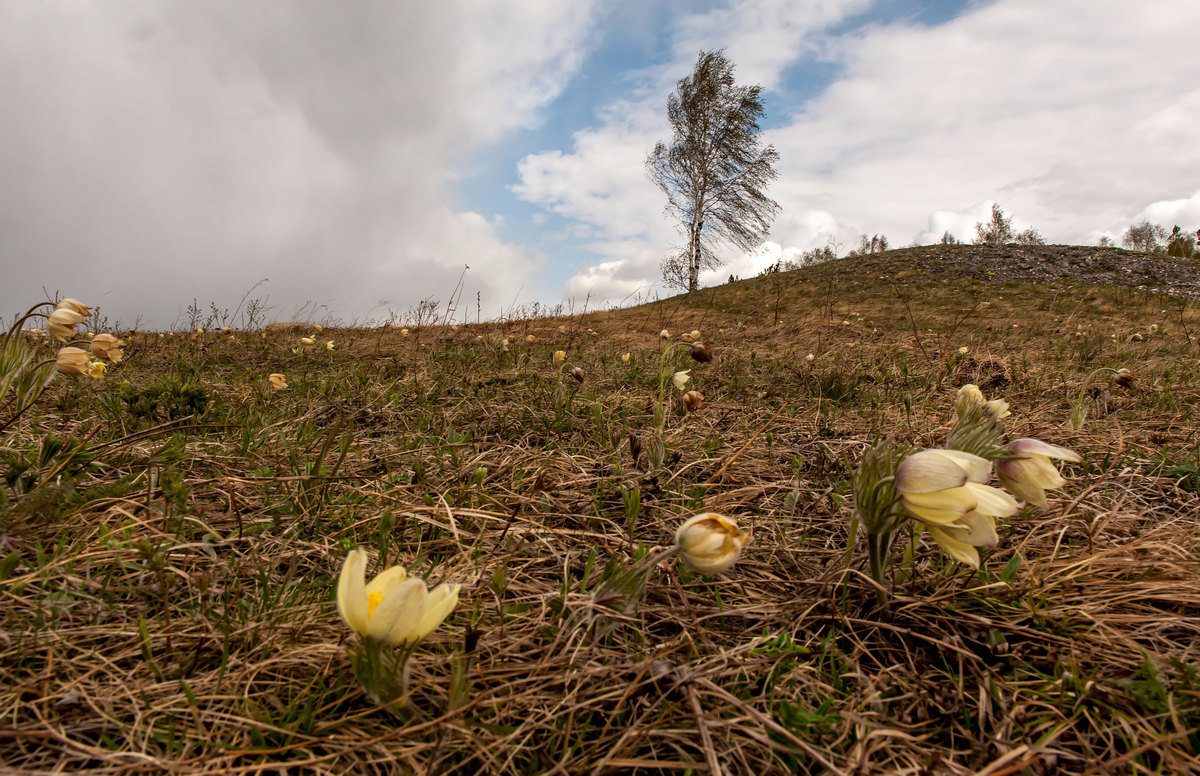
(61, 323)
(1030, 473)
(664, 334)
(1125, 378)
(307, 342)
(278, 381)
(701, 351)
(710, 543)
(72, 361)
(693, 401)
(107, 347)
(625, 358)
(577, 373)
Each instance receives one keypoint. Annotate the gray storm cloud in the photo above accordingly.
(155, 153)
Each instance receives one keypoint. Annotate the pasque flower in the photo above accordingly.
(1030, 472)
(693, 401)
(107, 347)
(945, 490)
(710, 543)
(73, 361)
(680, 378)
(391, 608)
(61, 322)
(277, 381)
(560, 356)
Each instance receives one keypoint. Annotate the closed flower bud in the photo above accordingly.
(625, 358)
(681, 378)
(693, 401)
(577, 373)
(1030, 473)
(307, 342)
(72, 361)
(107, 347)
(664, 334)
(968, 396)
(278, 381)
(701, 351)
(1125, 378)
(710, 543)
(560, 356)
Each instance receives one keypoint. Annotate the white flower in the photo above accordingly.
(391, 608)
(681, 378)
(710, 543)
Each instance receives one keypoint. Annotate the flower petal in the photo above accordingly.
(442, 600)
(980, 530)
(992, 501)
(928, 471)
(352, 592)
(1027, 446)
(400, 612)
(952, 546)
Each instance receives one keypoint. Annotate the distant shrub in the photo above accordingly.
(876, 243)
(1105, 242)
(1145, 237)
(997, 231)
(1182, 244)
(1030, 236)
(949, 239)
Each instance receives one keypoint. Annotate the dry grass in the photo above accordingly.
(167, 590)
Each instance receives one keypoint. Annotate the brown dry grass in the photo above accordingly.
(168, 607)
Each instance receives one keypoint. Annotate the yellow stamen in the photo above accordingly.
(374, 599)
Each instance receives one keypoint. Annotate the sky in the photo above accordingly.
(344, 161)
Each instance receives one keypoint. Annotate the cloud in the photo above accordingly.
(1071, 121)
(156, 153)
(601, 180)
(1182, 212)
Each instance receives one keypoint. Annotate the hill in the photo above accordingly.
(173, 535)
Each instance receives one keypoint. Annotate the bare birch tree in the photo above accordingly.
(715, 170)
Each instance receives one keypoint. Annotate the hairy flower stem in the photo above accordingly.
(383, 674)
(660, 415)
(878, 548)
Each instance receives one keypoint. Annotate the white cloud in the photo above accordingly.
(601, 181)
(156, 153)
(1071, 120)
(1182, 212)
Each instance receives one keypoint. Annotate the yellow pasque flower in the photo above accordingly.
(530, 338)
(1031, 473)
(307, 342)
(944, 490)
(681, 378)
(329, 345)
(72, 361)
(625, 358)
(96, 369)
(963, 350)
(710, 543)
(61, 323)
(560, 356)
(318, 328)
(107, 347)
(404, 332)
(278, 381)
(391, 608)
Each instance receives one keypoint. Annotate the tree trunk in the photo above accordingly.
(694, 257)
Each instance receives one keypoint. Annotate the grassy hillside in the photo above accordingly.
(171, 537)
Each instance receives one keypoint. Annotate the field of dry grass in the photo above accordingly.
(170, 538)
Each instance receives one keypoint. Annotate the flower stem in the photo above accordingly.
(878, 546)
